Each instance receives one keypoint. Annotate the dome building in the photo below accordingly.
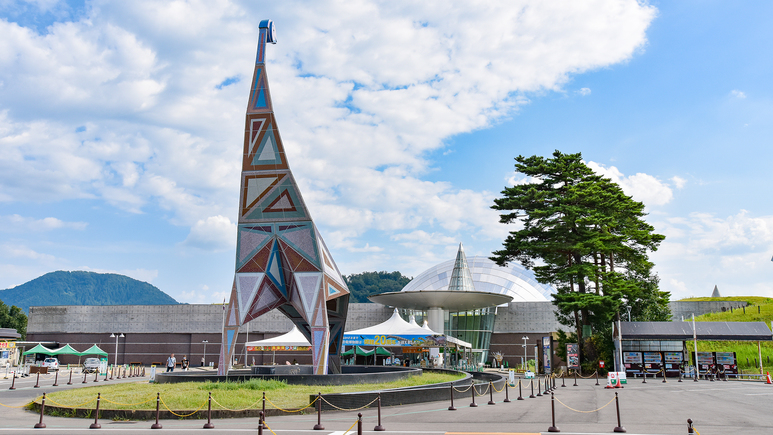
(460, 298)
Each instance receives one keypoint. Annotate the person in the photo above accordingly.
(295, 362)
(202, 361)
(184, 363)
(170, 363)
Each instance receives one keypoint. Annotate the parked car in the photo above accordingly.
(51, 363)
(91, 365)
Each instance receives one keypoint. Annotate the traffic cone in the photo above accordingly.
(768, 378)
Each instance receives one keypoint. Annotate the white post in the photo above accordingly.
(695, 343)
(536, 360)
(523, 364)
(620, 341)
(759, 351)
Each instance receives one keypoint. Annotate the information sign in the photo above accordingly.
(573, 355)
(547, 353)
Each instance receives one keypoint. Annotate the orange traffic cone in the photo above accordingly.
(768, 378)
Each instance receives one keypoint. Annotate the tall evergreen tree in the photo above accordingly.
(583, 235)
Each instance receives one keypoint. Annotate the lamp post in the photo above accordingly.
(115, 360)
(524, 352)
(628, 307)
(205, 351)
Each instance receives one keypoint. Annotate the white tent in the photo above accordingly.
(395, 325)
(292, 339)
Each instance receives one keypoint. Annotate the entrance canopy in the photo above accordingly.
(293, 340)
(93, 350)
(65, 350)
(395, 332)
(39, 349)
(682, 331)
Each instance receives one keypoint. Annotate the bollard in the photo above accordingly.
(619, 427)
(157, 425)
(37, 384)
(264, 410)
(209, 424)
(491, 393)
(40, 424)
(520, 391)
(689, 426)
(473, 392)
(13, 381)
(532, 396)
(56, 379)
(359, 423)
(547, 390)
(539, 387)
(319, 426)
(563, 384)
(664, 376)
(96, 424)
(451, 408)
(105, 376)
(645, 378)
(575, 378)
(112, 369)
(553, 413)
(507, 392)
(260, 423)
(96, 376)
(378, 427)
(597, 377)
(680, 375)
(84, 378)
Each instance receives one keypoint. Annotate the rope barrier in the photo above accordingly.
(462, 391)
(290, 410)
(182, 415)
(503, 388)
(584, 377)
(353, 409)
(9, 406)
(126, 404)
(355, 424)
(267, 427)
(236, 410)
(71, 407)
(583, 412)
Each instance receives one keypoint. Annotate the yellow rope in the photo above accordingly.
(584, 412)
(527, 385)
(462, 391)
(269, 429)
(357, 421)
(128, 404)
(353, 409)
(290, 410)
(235, 410)
(182, 415)
(9, 406)
(72, 407)
(503, 388)
(585, 377)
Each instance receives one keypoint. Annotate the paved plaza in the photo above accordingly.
(733, 407)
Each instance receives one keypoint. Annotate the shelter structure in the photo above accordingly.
(281, 260)
(292, 340)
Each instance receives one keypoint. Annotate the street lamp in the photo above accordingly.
(205, 351)
(115, 360)
(524, 352)
(628, 307)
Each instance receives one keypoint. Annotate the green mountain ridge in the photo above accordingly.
(83, 288)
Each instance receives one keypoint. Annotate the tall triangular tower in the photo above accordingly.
(715, 293)
(461, 278)
(281, 260)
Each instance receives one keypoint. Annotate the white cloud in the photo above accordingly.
(14, 251)
(642, 187)
(584, 91)
(20, 223)
(738, 94)
(215, 233)
(678, 181)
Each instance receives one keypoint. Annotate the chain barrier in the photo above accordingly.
(236, 410)
(529, 384)
(462, 391)
(503, 388)
(353, 409)
(583, 412)
(291, 410)
(181, 415)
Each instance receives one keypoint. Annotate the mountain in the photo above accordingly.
(83, 288)
(362, 285)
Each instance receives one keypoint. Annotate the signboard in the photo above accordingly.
(547, 353)
(601, 364)
(7, 344)
(395, 340)
(614, 377)
(412, 350)
(673, 357)
(632, 357)
(573, 355)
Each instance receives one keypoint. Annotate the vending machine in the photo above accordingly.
(674, 361)
(653, 362)
(632, 362)
(705, 362)
(726, 362)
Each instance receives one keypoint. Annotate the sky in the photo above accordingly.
(121, 127)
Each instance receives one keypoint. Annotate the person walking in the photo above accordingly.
(170, 363)
(184, 363)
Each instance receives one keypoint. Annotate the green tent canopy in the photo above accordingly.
(65, 350)
(93, 350)
(362, 352)
(39, 349)
(383, 352)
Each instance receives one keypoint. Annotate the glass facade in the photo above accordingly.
(652, 345)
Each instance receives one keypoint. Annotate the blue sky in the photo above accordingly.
(121, 125)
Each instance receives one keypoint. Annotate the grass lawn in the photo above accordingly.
(229, 395)
(760, 309)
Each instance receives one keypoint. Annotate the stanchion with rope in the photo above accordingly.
(563, 383)
(664, 376)
(491, 393)
(13, 381)
(96, 424)
(539, 387)
(37, 384)
(96, 376)
(264, 408)
(208, 424)
(619, 427)
(319, 426)
(56, 379)
(105, 376)
(472, 390)
(597, 377)
(507, 392)
(378, 427)
(84, 378)
(70, 381)
(532, 396)
(40, 424)
(645, 377)
(157, 425)
(575, 378)
(260, 423)
(553, 428)
(452, 408)
(359, 423)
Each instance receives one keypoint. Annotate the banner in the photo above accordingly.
(275, 348)
(395, 340)
(573, 355)
(547, 353)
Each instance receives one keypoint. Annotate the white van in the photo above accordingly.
(91, 365)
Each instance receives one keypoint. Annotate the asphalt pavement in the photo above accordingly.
(726, 408)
